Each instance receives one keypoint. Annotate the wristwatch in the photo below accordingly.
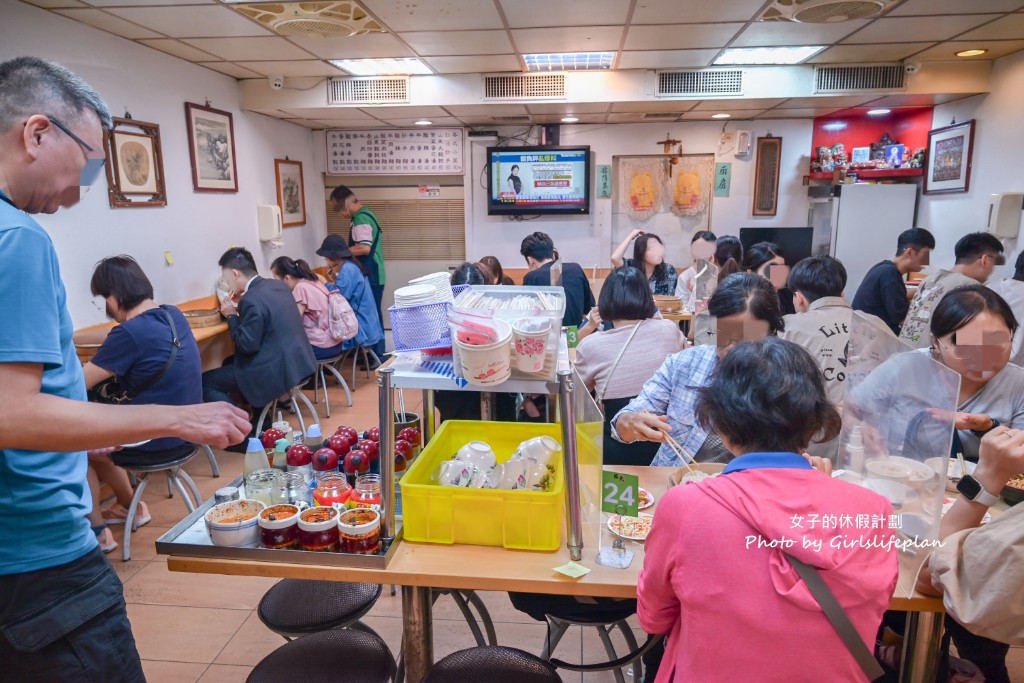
(982, 432)
(972, 490)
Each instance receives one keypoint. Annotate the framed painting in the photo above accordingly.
(948, 162)
(135, 172)
(211, 148)
(291, 192)
(766, 176)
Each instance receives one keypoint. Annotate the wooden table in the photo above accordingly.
(418, 567)
(682, 316)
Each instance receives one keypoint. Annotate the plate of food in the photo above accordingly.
(1013, 492)
(631, 528)
(646, 499)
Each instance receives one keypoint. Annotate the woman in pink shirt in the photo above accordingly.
(311, 296)
(715, 578)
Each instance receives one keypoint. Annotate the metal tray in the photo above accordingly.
(189, 538)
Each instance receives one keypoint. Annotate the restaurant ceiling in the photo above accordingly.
(459, 39)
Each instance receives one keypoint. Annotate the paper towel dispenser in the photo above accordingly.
(1004, 211)
(268, 217)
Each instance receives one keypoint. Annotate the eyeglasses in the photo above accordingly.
(94, 160)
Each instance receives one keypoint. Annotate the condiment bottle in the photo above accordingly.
(332, 488)
(300, 459)
(280, 455)
(367, 493)
(855, 450)
(255, 457)
(314, 437)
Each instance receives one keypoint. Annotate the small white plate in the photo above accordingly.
(650, 499)
(611, 527)
(136, 444)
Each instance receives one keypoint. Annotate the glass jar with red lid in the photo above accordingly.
(332, 488)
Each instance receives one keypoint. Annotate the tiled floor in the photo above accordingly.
(203, 628)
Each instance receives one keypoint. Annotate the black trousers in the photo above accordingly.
(67, 623)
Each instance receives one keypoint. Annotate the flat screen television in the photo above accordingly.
(538, 180)
(796, 243)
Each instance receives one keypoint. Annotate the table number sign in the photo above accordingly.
(620, 493)
(395, 151)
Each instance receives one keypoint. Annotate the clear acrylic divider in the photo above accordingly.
(705, 283)
(589, 423)
(898, 418)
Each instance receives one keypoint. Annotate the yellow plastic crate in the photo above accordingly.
(522, 520)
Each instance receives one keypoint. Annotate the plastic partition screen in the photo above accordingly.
(538, 180)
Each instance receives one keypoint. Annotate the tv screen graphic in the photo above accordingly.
(538, 180)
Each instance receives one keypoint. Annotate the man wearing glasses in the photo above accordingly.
(62, 611)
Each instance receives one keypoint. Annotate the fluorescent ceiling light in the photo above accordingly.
(570, 119)
(388, 66)
(424, 122)
(767, 55)
(720, 116)
(570, 61)
(878, 112)
(971, 53)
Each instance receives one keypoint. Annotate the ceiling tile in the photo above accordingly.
(230, 69)
(891, 30)
(881, 52)
(694, 11)
(947, 51)
(676, 36)
(249, 48)
(940, 7)
(296, 69)
(536, 13)
(388, 113)
(741, 114)
(632, 117)
(665, 59)
(192, 22)
(564, 108)
(178, 49)
(568, 39)
(436, 15)
(314, 125)
(107, 22)
(583, 118)
(486, 110)
(350, 125)
(143, 3)
(914, 100)
(478, 63)
(795, 113)
(56, 4)
(438, 121)
(736, 103)
(355, 47)
(329, 113)
(654, 105)
(783, 33)
(1008, 28)
(458, 42)
(822, 102)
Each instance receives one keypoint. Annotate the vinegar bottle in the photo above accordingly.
(255, 457)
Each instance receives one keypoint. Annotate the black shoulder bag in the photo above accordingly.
(116, 392)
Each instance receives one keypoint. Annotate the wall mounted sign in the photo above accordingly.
(723, 179)
(766, 176)
(604, 181)
(395, 152)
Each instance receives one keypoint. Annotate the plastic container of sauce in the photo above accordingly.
(318, 529)
(359, 532)
(279, 526)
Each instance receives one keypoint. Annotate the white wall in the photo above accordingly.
(998, 154)
(589, 240)
(195, 227)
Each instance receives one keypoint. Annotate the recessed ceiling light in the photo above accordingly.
(720, 116)
(570, 61)
(424, 122)
(570, 119)
(388, 66)
(971, 53)
(767, 55)
(878, 112)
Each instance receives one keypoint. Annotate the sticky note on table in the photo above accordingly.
(168, 259)
(573, 570)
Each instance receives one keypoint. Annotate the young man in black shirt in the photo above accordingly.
(883, 292)
(540, 253)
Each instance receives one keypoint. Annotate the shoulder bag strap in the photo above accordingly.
(838, 618)
(175, 345)
(604, 389)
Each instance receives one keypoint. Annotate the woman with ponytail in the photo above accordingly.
(311, 296)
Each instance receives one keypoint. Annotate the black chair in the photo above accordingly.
(298, 607)
(463, 600)
(339, 656)
(493, 665)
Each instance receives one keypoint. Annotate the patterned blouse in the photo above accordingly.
(664, 285)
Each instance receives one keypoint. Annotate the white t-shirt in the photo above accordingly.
(1013, 292)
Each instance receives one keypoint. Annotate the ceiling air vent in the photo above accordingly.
(706, 82)
(824, 11)
(661, 116)
(518, 118)
(370, 89)
(832, 79)
(524, 87)
(339, 19)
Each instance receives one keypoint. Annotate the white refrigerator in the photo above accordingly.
(865, 221)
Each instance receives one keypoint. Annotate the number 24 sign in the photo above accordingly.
(620, 493)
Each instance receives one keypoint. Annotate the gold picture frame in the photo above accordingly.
(291, 192)
(135, 171)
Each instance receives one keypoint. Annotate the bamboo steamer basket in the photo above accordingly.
(205, 317)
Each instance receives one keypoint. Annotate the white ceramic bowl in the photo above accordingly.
(235, 534)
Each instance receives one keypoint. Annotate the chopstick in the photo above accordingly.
(963, 465)
(680, 452)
